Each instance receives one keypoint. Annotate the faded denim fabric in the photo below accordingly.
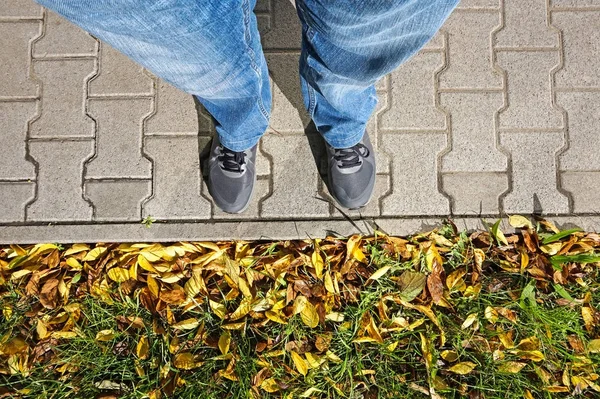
(212, 50)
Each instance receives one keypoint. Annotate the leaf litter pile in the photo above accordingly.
(441, 314)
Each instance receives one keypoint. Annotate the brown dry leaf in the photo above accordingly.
(142, 348)
(462, 368)
(300, 363)
(507, 313)
(224, 342)
(176, 296)
(434, 280)
(49, 294)
(511, 367)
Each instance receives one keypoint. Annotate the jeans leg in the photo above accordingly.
(210, 49)
(347, 46)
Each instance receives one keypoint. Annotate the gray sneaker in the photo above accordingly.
(351, 173)
(231, 177)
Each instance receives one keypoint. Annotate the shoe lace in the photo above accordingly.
(232, 160)
(349, 157)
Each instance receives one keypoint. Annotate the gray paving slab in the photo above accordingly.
(498, 114)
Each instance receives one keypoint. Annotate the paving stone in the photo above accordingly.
(175, 112)
(529, 90)
(119, 138)
(59, 192)
(470, 64)
(414, 174)
(437, 42)
(581, 35)
(177, 178)
(118, 200)
(534, 188)
(295, 179)
(288, 113)
(117, 75)
(534, 33)
(473, 133)
(62, 38)
(13, 132)
(574, 3)
(13, 197)
(413, 95)
(14, 73)
(63, 98)
(24, 9)
(475, 193)
(583, 109)
(279, 27)
(470, 4)
(583, 186)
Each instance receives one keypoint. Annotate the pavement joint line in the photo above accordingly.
(575, 9)
(527, 49)
(19, 19)
(19, 99)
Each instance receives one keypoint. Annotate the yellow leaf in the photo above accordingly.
(380, 273)
(491, 314)
(187, 324)
(353, 250)
(41, 329)
(195, 285)
(455, 281)
(14, 346)
(317, 262)
(270, 385)
(300, 303)
(527, 394)
(94, 254)
(556, 388)
(472, 318)
(243, 309)
(328, 282)
(76, 248)
(309, 315)
(300, 363)
(335, 316)
(218, 308)
(142, 348)
(518, 221)
(144, 264)
(105, 335)
(536, 356)
(529, 344)
(118, 274)
(273, 316)
(449, 356)
(588, 317)
(462, 368)
(63, 334)
(153, 286)
(234, 326)
(511, 367)
(594, 346)
(185, 361)
(74, 263)
(224, 342)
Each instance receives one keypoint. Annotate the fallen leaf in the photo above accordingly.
(49, 294)
(118, 274)
(511, 367)
(187, 324)
(105, 335)
(519, 222)
(317, 262)
(142, 348)
(594, 346)
(300, 363)
(224, 342)
(184, 361)
(462, 368)
(270, 385)
(411, 285)
(380, 273)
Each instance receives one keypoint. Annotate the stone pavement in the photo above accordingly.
(499, 114)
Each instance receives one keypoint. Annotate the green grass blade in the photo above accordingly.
(558, 236)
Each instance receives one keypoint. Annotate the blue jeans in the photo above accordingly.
(211, 49)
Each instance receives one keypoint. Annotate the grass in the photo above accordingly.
(548, 333)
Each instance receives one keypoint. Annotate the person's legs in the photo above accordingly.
(210, 49)
(346, 47)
